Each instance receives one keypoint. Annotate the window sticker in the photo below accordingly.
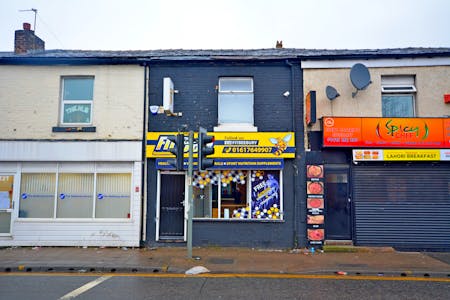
(265, 202)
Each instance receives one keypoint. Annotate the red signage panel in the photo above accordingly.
(386, 132)
(447, 132)
(342, 132)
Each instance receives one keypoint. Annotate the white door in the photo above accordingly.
(6, 203)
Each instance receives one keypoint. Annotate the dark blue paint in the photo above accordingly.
(197, 100)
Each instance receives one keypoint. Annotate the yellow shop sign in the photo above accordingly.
(229, 144)
(411, 155)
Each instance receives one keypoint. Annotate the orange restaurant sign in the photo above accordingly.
(386, 132)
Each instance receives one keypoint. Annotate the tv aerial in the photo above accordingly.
(331, 92)
(35, 13)
(360, 77)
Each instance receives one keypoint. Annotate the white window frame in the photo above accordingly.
(238, 126)
(78, 101)
(69, 168)
(398, 85)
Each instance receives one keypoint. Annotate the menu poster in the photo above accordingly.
(314, 187)
(314, 171)
(315, 217)
(316, 236)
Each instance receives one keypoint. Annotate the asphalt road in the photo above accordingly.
(69, 286)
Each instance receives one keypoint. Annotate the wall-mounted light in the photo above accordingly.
(154, 109)
(286, 94)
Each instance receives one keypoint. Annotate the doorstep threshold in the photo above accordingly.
(339, 242)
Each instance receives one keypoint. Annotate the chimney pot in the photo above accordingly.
(25, 40)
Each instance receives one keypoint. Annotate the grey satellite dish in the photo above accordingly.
(331, 92)
(360, 77)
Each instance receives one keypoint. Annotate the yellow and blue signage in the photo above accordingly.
(229, 145)
(230, 164)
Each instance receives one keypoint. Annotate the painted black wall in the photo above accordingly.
(197, 83)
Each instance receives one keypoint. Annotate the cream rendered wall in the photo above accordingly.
(432, 82)
(30, 101)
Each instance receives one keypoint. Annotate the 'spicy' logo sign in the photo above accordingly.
(402, 130)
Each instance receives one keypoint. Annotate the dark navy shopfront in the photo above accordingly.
(240, 201)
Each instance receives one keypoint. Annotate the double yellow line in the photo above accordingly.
(238, 275)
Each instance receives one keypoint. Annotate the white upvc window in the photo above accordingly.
(77, 95)
(398, 96)
(69, 194)
(235, 101)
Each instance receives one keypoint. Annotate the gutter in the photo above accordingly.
(373, 56)
(45, 61)
(295, 167)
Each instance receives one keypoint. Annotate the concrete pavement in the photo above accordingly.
(365, 261)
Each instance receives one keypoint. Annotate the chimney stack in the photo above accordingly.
(25, 40)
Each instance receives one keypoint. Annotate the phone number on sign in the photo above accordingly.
(247, 149)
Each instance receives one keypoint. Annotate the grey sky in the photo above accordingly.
(229, 24)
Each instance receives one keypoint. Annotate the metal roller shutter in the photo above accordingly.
(402, 205)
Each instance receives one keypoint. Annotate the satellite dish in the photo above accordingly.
(331, 92)
(360, 77)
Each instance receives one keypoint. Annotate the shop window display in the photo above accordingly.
(236, 194)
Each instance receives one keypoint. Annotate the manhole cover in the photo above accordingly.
(221, 261)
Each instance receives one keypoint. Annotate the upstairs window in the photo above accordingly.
(77, 96)
(235, 100)
(398, 96)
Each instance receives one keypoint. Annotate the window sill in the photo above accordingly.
(73, 129)
(235, 127)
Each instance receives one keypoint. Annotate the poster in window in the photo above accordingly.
(77, 113)
(265, 187)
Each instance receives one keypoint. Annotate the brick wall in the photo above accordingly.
(25, 40)
(197, 98)
(30, 102)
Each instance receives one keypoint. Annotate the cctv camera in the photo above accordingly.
(286, 94)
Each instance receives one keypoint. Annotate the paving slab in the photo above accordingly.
(369, 261)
